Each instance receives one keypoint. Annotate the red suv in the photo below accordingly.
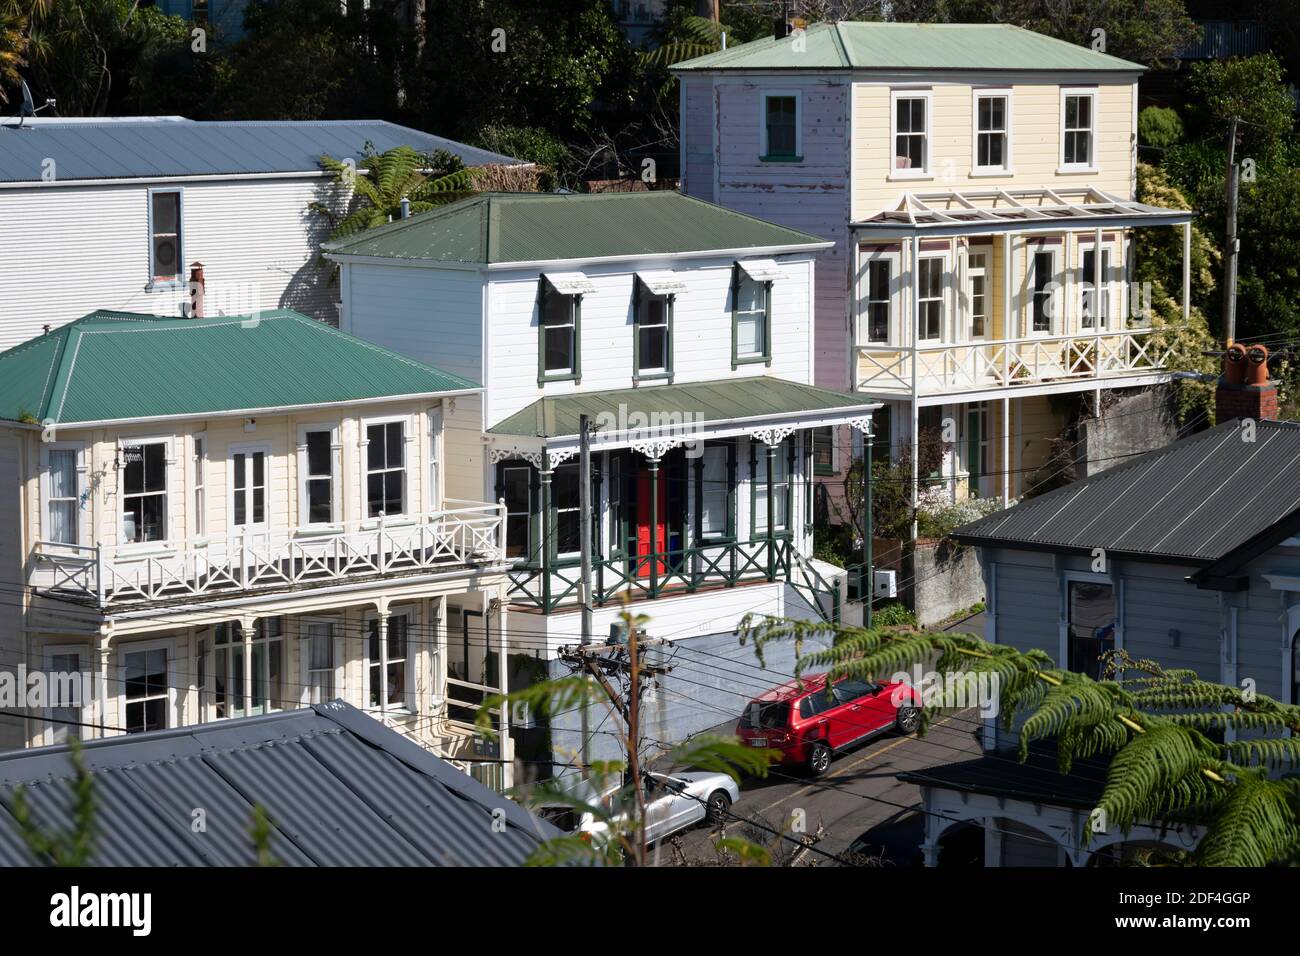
(807, 725)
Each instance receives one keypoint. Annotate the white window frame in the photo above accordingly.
(763, 97)
(247, 449)
(198, 497)
(83, 528)
(409, 447)
(136, 647)
(1055, 289)
(945, 296)
(577, 507)
(337, 627)
(409, 705)
(169, 460)
(87, 707)
(1068, 577)
(1110, 249)
(1091, 166)
(336, 470)
(894, 258)
(926, 171)
(968, 282)
(180, 279)
(1007, 168)
(433, 494)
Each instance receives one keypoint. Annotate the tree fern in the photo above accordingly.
(1256, 825)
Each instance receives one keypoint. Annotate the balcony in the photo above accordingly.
(1012, 363)
(466, 533)
(677, 571)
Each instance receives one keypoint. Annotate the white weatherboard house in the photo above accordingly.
(978, 182)
(684, 331)
(226, 516)
(111, 213)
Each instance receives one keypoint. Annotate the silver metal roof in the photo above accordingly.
(1196, 500)
(340, 789)
(166, 146)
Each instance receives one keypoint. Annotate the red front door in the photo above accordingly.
(645, 542)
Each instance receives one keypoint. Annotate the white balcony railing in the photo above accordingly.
(972, 366)
(466, 533)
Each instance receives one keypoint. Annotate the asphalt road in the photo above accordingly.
(857, 795)
(858, 799)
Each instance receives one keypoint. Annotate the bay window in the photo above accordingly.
(878, 301)
(1043, 301)
(1094, 302)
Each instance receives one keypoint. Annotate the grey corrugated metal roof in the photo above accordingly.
(160, 146)
(1195, 500)
(340, 789)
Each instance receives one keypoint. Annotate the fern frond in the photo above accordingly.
(1159, 770)
(1256, 826)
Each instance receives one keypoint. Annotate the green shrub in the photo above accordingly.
(1160, 126)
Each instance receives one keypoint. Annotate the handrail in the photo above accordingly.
(470, 533)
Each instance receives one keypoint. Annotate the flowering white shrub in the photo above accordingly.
(938, 519)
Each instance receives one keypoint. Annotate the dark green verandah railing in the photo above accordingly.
(677, 572)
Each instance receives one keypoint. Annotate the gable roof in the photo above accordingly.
(116, 366)
(540, 227)
(1193, 502)
(859, 45)
(165, 146)
(339, 788)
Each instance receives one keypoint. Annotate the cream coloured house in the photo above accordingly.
(968, 175)
(222, 517)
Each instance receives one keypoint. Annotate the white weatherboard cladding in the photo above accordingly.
(701, 330)
(432, 315)
(65, 252)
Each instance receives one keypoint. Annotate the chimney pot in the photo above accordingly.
(1244, 388)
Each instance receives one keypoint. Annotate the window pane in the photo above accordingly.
(375, 446)
(63, 473)
(559, 349)
(653, 348)
(164, 212)
(394, 445)
(750, 296)
(318, 453)
(714, 494)
(748, 334)
(319, 504)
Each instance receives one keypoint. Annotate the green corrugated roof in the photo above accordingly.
(732, 398)
(111, 366)
(911, 46)
(539, 227)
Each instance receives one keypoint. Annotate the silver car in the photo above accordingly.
(675, 802)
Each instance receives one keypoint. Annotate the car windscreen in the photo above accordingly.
(766, 715)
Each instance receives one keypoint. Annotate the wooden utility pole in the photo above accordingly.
(601, 660)
(1232, 244)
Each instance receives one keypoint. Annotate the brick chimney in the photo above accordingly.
(1244, 388)
(198, 287)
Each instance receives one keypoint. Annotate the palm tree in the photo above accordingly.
(381, 181)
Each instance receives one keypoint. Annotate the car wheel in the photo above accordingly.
(719, 805)
(908, 719)
(819, 759)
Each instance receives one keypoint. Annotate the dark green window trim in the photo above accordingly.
(757, 448)
(534, 506)
(822, 470)
(544, 291)
(737, 359)
(729, 536)
(639, 294)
